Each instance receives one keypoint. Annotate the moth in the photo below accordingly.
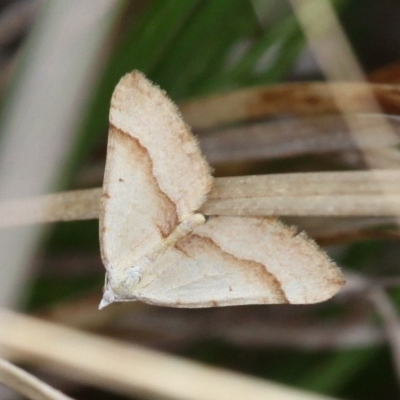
(158, 249)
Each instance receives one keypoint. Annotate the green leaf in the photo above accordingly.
(334, 374)
(203, 43)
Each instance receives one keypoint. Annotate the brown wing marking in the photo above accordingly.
(194, 243)
(169, 214)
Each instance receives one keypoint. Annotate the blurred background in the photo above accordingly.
(59, 63)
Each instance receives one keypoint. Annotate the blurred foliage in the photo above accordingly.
(52, 289)
(193, 48)
(185, 47)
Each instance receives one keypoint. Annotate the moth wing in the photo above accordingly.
(154, 176)
(234, 260)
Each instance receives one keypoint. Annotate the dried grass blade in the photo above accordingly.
(294, 137)
(26, 384)
(391, 323)
(385, 158)
(290, 98)
(357, 193)
(43, 113)
(329, 205)
(65, 206)
(129, 369)
(318, 194)
(307, 184)
(387, 74)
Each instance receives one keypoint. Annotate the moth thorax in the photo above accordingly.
(187, 226)
(124, 284)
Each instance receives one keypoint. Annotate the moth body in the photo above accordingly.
(187, 226)
(154, 245)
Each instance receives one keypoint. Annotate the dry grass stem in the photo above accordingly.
(385, 158)
(387, 74)
(355, 193)
(42, 116)
(294, 137)
(319, 194)
(307, 184)
(129, 369)
(26, 384)
(309, 98)
(279, 139)
(391, 322)
(329, 205)
(65, 206)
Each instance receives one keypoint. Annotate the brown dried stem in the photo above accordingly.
(26, 384)
(391, 323)
(356, 193)
(294, 137)
(309, 98)
(129, 369)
